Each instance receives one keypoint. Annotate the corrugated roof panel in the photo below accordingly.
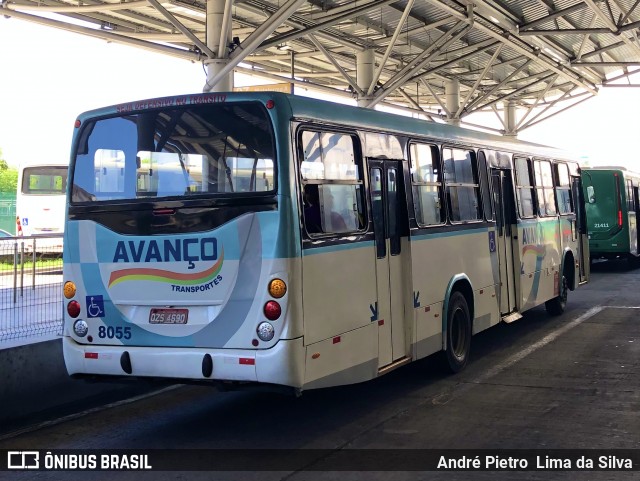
(373, 28)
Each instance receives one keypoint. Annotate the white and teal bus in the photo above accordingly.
(265, 238)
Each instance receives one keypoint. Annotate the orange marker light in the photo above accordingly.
(277, 288)
(69, 289)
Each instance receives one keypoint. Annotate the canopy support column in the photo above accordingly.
(365, 63)
(218, 40)
(510, 119)
(452, 96)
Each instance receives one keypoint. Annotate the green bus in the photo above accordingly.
(612, 208)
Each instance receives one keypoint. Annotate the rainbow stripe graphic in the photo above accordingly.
(537, 250)
(170, 277)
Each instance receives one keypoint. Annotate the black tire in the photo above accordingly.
(557, 305)
(456, 356)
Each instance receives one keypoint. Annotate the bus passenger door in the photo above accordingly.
(581, 223)
(502, 194)
(387, 198)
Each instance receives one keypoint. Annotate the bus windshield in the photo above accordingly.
(44, 180)
(191, 151)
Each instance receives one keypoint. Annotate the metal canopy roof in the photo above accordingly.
(539, 55)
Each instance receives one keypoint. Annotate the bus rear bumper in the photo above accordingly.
(282, 364)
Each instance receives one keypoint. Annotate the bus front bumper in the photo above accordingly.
(283, 364)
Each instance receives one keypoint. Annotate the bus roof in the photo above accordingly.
(330, 112)
(612, 169)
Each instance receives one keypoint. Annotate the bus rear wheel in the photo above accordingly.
(557, 305)
(456, 355)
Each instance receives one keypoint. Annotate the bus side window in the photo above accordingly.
(312, 209)
(461, 185)
(563, 189)
(332, 183)
(426, 182)
(544, 188)
(524, 188)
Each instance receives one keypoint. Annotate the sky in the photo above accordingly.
(49, 76)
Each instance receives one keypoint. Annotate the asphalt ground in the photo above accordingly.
(541, 383)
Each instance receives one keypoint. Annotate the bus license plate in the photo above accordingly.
(168, 316)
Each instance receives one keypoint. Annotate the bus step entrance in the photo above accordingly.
(514, 316)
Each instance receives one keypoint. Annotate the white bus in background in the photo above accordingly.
(40, 204)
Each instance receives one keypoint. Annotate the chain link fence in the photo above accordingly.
(8, 212)
(30, 287)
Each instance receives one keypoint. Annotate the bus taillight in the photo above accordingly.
(272, 310)
(73, 308)
(618, 198)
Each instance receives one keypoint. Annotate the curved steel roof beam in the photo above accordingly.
(420, 61)
(348, 78)
(185, 31)
(319, 26)
(629, 12)
(589, 96)
(476, 84)
(471, 107)
(539, 58)
(104, 7)
(130, 16)
(105, 35)
(611, 25)
(297, 25)
(537, 101)
(515, 92)
(481, 47)
(253, 41)
(552, 16)
(392, 44)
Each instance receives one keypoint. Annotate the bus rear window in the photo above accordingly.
(44, 180)
(192, 151)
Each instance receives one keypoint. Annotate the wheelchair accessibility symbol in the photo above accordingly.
(95, 306)
(492, 241)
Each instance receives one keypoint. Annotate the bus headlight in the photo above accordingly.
(265, 331)
(81, 328)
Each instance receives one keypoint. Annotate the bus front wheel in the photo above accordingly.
(557, 305)
(456, 355)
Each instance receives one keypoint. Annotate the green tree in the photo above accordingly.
(3, 163)
(8, 178)
(8, 181)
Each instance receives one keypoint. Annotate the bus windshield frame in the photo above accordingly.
(176, 153)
